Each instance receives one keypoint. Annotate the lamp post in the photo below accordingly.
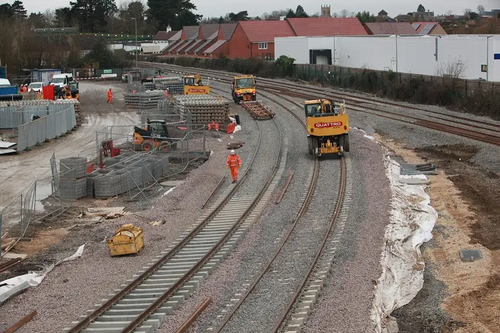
(135, 20)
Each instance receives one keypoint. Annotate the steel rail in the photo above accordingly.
(338, 206)
(299, 216)
(343, 95)
(213, 192)
(82, 324)
(194, 316)
(148, 311)
(358, 100)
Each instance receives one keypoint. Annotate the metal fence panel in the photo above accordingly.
(6, 117)
(50, 128)
(47, 127)
(58, 122)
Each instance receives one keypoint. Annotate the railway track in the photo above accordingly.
(304, 297)
(457, 125)
(160, 287)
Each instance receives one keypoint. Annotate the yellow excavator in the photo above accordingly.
(327, 127)
(193, 85)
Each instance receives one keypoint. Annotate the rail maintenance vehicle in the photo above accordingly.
(327, 127)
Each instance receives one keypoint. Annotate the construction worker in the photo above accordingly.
(233, 163)
(110, 96)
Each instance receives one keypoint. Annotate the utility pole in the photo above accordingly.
(136, 51)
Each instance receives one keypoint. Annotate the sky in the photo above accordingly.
(216, 8)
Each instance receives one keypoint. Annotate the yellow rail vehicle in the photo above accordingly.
(327, 128)
(194, 86)
(243, 89)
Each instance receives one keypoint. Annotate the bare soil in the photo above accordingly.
(460, 297)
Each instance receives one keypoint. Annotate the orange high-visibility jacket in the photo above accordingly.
(110, 94)
(233, 161)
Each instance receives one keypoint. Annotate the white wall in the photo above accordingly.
(296, 47)
(413, 54)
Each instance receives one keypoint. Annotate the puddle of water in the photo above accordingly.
(43, 190)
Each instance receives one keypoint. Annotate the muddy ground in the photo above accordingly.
(461, 297)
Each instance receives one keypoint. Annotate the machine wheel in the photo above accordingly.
(315, 146)
(346, 142)
(165, 147)
(146, 146)
(310, 145)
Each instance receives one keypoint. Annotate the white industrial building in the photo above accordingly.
(478, 56)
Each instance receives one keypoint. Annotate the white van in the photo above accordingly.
(62, 80)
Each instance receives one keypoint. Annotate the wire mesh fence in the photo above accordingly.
(16, 217)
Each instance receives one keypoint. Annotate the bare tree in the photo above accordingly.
(449, 13)
(49, 16)
(346, 13)
(480, 9)
(453, 69)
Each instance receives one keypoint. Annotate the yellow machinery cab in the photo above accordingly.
(193, 85)
(153, 135)
(243, 89)
(128, 239)
(327, 127)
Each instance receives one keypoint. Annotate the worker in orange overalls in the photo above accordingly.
(233, 163)
(110, 96)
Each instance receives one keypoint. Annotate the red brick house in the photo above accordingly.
(220, 45)
(247, 39)
(256, 38)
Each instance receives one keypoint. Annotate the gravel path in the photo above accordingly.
(348, 294)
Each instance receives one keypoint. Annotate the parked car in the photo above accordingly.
(35, 86)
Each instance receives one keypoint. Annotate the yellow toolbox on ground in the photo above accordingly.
(128, 239)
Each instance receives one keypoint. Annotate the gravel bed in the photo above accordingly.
(66, 292)
(271, 296)
(346, 300)
(260, 241)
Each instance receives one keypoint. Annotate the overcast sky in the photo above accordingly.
(216, 8)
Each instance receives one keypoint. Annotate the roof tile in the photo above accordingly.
(327, 26)
(391, 28)
(266, 31)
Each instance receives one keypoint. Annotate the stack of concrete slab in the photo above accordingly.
(72, 181)
(173, 84)
(204, 109)
(126, 173)
(144, 100)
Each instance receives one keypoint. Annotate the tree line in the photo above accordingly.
(104, 16)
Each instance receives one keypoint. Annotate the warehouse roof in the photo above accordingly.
(390, 28)
(326, 26)
(266, 31)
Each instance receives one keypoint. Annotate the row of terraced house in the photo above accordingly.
(247, 39)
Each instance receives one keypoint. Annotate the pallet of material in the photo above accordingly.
(257, 110)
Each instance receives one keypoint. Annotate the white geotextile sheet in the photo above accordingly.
(411, 224)
(11, 287)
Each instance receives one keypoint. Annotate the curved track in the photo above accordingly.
(300, 304)
(457, 125)
(142, 304)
